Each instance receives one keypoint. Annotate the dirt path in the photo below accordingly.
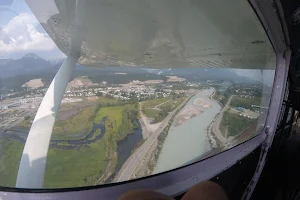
(156, 107)
(147, 127)
(106, 172)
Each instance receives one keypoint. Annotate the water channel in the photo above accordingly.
(188, 141)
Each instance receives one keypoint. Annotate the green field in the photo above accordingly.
(80, 124)
(161, 111)
(154, 102)
(151, 113)
(234, 123)
(114, 113)
(10, 156)
(246, 103)
(73, 168)
(88, 164)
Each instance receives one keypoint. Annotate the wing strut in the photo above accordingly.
(33, 161)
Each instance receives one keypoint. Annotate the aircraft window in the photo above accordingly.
(159, 85)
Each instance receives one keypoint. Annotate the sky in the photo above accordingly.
(21, 33)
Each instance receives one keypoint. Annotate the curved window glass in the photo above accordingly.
(158, 85)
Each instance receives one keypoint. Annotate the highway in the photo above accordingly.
(132, 162)
(216, 124)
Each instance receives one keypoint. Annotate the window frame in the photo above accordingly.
(181, 179)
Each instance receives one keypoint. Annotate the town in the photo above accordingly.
(24, 102)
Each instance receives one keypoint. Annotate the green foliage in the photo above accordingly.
(10, 156)
(150, 113)
(154, 102)
(98, 159)
(112, 113)
(96, 134)
(245, 102)
(27, 117)
(107, 102)
(235, 124)
(86, 165)
(140, 143)
(80, 124)
(158, 109)
(130, 113)
(75, 167)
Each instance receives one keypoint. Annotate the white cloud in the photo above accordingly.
(20, 36)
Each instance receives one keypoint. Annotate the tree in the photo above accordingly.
(27, 117)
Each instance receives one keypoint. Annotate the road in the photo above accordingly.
(132, 162)
(236, 140)
(216, 124)
(147, 127)
(246, 134)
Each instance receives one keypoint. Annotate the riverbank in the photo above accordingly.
(98, 153)
(191, 136)
(96, 133)
(149, 162)
(138, 159)
(147, 165)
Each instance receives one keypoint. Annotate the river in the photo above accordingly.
(188, 141)
(125, 146)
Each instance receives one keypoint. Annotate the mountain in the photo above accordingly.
(196, 74)
(32, 56)
(56, 61)
(14, 73)
(5, 61)
(29, 64)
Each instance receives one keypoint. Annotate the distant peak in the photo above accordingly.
(32, 55)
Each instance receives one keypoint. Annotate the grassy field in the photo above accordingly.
(73, 168)
(88, 164)
(75, 127)
(163, 107)
(154, 102)
(91, 164)
(79, 124)
(151, 113)
(10, 155)
(246, 103)
(235, 124)
(174, 103)
(84, 109)
(113, 113)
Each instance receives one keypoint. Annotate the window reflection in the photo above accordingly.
(161, 94)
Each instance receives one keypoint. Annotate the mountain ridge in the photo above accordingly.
(33, 65)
